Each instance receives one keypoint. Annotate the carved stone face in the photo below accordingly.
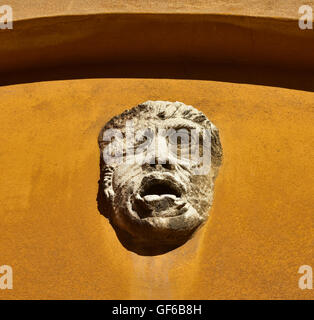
(157, 202)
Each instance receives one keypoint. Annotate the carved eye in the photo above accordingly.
(144, 138)
(180, 138)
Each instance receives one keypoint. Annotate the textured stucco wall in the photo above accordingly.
(59, 246)
(261, 226)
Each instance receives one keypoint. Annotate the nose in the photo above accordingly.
(160, 157)
(167, 165)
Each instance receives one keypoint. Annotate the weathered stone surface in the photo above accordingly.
(158, 204)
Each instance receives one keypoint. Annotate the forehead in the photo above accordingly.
(175, 123)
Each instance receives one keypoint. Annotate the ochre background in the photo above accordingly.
(261, 226)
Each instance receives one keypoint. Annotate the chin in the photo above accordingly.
(156, 216)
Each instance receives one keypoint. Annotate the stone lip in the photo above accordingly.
(160, 195)
(165, 180)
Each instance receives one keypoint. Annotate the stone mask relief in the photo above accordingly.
(158, 164)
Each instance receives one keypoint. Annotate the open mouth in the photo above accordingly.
(159, 197)
(157, 188)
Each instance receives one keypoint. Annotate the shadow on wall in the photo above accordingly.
(229, 48)
(256, 75)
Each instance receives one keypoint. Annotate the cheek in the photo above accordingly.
(124, 174)
(201, 188)
(200, 196)
(201, 181)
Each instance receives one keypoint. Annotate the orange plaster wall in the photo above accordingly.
(261, 226)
